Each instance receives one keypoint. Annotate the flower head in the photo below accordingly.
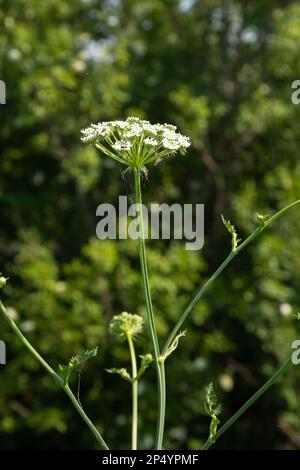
(126, 324)
(136, 142)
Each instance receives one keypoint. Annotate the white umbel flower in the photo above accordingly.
(122, 146)
(171, 144)
(150, 141)
(136, 142)
(95, 131)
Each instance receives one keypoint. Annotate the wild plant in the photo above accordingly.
(137, 145)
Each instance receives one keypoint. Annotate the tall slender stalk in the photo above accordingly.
(134, 394)
(85, 418)
(248, 403)
(219, 270)
(56, 378)
(158, 364)
(210, 281)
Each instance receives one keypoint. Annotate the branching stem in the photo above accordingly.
(248, 403)
(56, 378)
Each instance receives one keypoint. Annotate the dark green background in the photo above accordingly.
(222, 72)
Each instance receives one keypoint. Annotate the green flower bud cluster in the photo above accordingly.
(126, 324)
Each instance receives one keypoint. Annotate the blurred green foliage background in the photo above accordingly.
(222, 72)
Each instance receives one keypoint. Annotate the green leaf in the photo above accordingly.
(83, 356)
(147, 359)
(173, 346)
(262, 218)
(123, 373)
(211, 404)
(232, 230)
(213, 427)
(76, 363)
(213, 408)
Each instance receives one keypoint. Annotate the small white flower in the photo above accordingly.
(95, 132)
(120, 124)
(133, 131)
(103, 129)
(170, 127)
(119, 145)
(89, 135)
(184, 141)
(171, 144)
(150, 129)
(133, 120)
(150, 141)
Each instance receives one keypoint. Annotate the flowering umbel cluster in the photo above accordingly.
(126, 324)
(136, 142)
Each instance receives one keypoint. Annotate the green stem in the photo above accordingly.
(197, 297)
(134, 394)
(85, 418)
(248, 403)
(55, 376)
(158, 365)
(220, 269)
(46, 366)
(163, 400)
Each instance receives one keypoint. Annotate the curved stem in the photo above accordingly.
(55, 376)
(220, 269)
(151, 321)
(134, 394)
(248, 403)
